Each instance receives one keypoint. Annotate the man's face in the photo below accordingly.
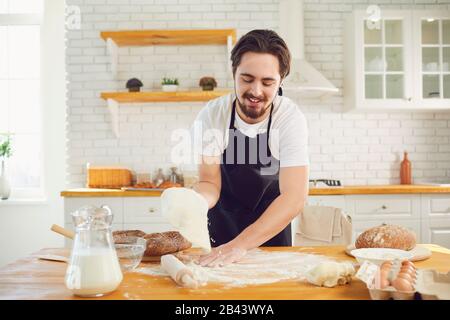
(256, 80)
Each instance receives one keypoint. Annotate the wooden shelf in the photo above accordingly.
(170, 37)
(116, 39)
(160, 96)
(115, 98)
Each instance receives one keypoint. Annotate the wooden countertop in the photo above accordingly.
(346, 190)
(91, 192)
(31, 278)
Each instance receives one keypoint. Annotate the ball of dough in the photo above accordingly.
(330, 274)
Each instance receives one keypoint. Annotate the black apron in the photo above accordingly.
(245, 192)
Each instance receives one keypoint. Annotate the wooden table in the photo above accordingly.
(31, 278)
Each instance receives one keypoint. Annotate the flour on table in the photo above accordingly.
(257, 267)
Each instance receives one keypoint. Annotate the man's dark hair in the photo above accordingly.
(262, 41)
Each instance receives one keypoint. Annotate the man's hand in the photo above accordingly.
(222, 255)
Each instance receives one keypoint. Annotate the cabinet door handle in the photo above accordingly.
(383, 207)
(151, 210)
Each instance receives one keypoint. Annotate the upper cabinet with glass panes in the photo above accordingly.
(381, 55)
(433, 56)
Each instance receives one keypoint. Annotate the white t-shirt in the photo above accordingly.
(288, 132)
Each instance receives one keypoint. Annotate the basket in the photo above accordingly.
(108, 177)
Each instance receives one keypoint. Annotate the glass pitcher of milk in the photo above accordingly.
(94, 268)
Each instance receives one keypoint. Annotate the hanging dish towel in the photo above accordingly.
(322, 226)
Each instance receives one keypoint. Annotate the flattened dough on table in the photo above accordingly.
(187, 211)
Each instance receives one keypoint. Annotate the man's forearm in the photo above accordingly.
(276, 217)
(209, 191)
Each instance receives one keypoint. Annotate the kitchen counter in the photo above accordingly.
(31, 278)
(346, 190)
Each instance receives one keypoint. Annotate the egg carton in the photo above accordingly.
(428, 285)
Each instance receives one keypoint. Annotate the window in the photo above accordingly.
(20, 98)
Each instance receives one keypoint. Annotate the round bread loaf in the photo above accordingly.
(387, 236)
(159, 244)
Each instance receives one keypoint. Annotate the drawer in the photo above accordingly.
(436, 231)
(361, 226)
(115, 204)
(143, 210)
(328, 201)
(436, 206)
(383, 207)
(150, 227)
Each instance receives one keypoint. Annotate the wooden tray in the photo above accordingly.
(141, 189)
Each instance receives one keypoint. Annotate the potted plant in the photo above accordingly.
(5, 152)
(169, 85)
(207, 83)
(134, 85)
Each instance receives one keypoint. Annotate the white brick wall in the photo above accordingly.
(356, 148)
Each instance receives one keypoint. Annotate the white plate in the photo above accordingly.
(419, 252)
(379, 255)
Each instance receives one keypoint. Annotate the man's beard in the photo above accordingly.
(249, 112)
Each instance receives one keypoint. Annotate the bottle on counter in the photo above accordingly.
(405, 170)
(175, 177)
(159, 178)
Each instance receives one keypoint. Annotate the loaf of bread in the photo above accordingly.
(120, 236)
(387, 236)
(148, 185)
(159, 244)
(168, 184)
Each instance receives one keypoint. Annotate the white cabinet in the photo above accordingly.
(144, 213)
(436, 219)
(382, 207)
(436, 206)
(428, 215)
(436, 231)
(142, 210)
(397, 60)
(432, 51)
(368, 211)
